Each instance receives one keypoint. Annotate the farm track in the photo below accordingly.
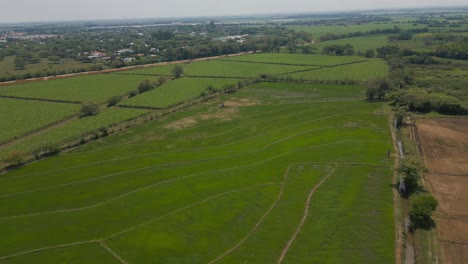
(136, 226)
(304, 217)
(110, 251)
(257, 225)
(40, 99)
(187, 138)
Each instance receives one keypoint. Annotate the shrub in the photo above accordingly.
(89, 109)
(421, 208)
(114, 100)
(178, 71)
(15, 158)
(411, 171)
(145, 86)
(132, 93)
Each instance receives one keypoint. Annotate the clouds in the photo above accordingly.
(57, 10)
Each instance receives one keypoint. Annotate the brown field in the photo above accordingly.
(444, 143)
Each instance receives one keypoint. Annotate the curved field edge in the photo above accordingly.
(262, 179)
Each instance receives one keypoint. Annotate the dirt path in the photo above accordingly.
(112, 252)
(304, 217)
(119, 69)
(278, 198)
(48, 248)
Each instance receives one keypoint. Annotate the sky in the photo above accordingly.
(12, 11)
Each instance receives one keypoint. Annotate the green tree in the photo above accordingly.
(400, 115)
(370, 92)
(378, 88)
(145, 86)
(411, 170)
(178, 71)
(291, 47)
(306, 49)
(421, 209)
(210, 89)
(369, 53)
(20, 63)
(114, 100)
(89, 108)
(54, 58)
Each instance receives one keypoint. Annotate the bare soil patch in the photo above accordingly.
(241, 102)
(444, 142)
(225, 114)
(182, 123)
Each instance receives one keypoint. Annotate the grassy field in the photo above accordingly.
(21, 117)
(218, 68)
(373, 68)
(177, 91)
(210, 185)
(97, 88)
(318, 31)
(359, 43)
(73, 131)
(7, 66)
(301, 59)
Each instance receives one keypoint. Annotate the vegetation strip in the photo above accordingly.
(40, 99)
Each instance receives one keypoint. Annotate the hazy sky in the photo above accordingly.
(58, 10)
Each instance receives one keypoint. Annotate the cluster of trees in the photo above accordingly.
(377, 89)
(331, 36)
(400, 84)
(454, 50)
(145, 45)
(420, 100)
(331, 20)
(339, 50)
(421, 205)
(89, 109)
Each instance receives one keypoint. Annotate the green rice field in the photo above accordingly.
(177, 91)
(289, 173)
(73, 131)
(370, 69)
(97, 88)
(21, 117)
(298, 59)
(360, 44)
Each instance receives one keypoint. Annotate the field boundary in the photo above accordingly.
(298, 64)
(102, 239)
(273, 63)
(38, 130)
(304, 217)
(119, 69)
(40, 99)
